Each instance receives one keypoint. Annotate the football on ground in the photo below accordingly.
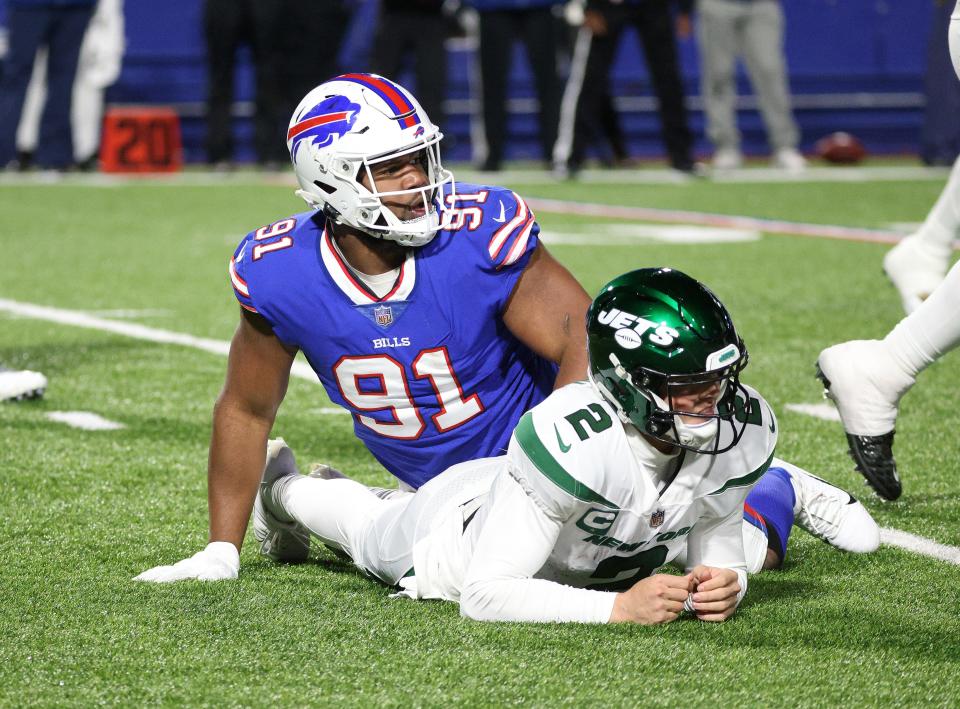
(840, 148)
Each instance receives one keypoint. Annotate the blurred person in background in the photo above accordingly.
(312, 44)
(534, 23)
(414, 29)
(586, 97)
(356, 44)
(58, 26)
(753, 30)
(101, 56)
(940, 135)
(228, 25)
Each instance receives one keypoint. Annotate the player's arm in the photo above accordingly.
(547, 312)
(517, 537)
(257, 374)
(258, 371)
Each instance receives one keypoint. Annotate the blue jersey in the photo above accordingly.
(430, 372)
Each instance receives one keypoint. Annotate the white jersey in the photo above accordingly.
(582, 501)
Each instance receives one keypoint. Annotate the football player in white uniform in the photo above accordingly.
(867, 378)
(604, 483)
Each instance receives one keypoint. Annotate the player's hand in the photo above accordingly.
(220, 561)
(714, 593)
(684, 27)
(655, 599)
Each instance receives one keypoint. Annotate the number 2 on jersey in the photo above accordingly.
(379, 383)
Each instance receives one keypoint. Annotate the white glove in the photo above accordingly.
(218, 562)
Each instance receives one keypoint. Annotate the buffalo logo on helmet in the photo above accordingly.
(325, 122)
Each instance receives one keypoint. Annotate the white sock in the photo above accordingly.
(930, 331)
(333, 510)
(942, 224)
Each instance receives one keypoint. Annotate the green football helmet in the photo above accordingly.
(654, 334)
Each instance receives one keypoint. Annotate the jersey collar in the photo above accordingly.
(354, 289)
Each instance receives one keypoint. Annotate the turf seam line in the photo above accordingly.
(729, 221)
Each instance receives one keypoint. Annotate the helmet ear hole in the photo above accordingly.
(329, 189)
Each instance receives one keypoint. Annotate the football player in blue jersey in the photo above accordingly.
(427, 308)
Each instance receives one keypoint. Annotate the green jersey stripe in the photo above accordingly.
(748, 479)
(538, 454)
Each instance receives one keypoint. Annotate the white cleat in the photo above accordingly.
(16, 385)
(279, 540)
(866, 388)
(915, 269)
(789, 159)
(832, 514)
(859, 380)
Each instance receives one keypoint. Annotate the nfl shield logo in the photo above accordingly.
(383, 315)
(656, 519)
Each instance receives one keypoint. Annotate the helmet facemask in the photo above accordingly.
(645, 398)
(378, 220)
(369, 214)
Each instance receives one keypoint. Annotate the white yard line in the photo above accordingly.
(126, 313)
(85, 420)
(140, 332)
(892, 537)
(824, 410)
(919, 545)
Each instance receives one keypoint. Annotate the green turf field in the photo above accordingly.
(85, 511)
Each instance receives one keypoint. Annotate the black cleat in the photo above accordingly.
(873, 456)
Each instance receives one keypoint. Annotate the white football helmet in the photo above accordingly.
(346, 125)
